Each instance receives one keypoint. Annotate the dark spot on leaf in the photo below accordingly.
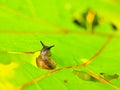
(114, 27)
(65, 81)
(95, 22)
(88, 17)
(77, 22)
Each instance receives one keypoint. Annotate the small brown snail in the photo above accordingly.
(43, 60)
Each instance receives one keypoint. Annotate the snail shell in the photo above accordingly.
(43, 60)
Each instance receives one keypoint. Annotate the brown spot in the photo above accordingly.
(65, 81)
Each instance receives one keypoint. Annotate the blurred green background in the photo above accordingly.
(23, 23)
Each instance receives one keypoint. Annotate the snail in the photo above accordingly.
(43, 60)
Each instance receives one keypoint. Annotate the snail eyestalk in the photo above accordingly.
(42, 43)
(47, 47)
(51, 46)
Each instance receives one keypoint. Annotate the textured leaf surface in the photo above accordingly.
(26, 22)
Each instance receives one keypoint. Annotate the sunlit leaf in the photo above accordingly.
(24, 23)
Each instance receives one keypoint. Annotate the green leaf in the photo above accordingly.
(24, 23)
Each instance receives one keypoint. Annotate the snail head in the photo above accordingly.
(46, 49)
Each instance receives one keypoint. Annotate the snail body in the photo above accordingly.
(43, 60)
